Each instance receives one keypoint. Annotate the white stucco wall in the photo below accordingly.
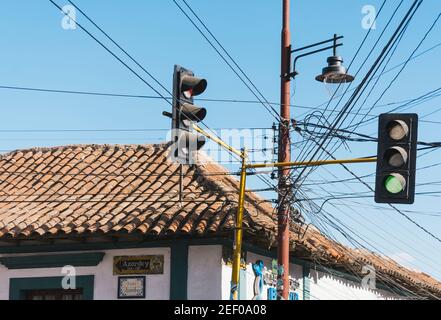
(208, 277)
(295, 271)
(204, 272)
(106, 284)
(325, 286)
(322, 285)
(226, 281)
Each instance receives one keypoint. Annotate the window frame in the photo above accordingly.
(19, 286)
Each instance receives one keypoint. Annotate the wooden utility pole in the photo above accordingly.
(284, 156)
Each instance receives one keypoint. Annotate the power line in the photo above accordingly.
(125, 64)
(139, 96)
(423, 213)
(122, 49)
(127, 54)
(353, 59)
(402, 68)
(114, 130)
(268, 107)
(351, 216)
(360, 245)
(391, 205)
(308, 149)
(353, 241)
(114, 55)
(219, 100)
(322, 114)
(366, 80)
(113, 201)
(387, 71)
(372, 190)
(362, 137)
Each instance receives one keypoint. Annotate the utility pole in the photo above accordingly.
(284, 156)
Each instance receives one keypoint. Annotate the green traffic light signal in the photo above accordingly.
(394, 183)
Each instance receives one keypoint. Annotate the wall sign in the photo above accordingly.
(131, 287)
(125, 265)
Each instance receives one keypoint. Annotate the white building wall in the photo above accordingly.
(106, 284)
(322, 285)
(295, 271)
(325, 286)
(204, 272)
(208, 277)
(226, 281)
(248, 293)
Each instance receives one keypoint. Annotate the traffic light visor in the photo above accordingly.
(396, 157)
(397, 129)
(192, 86)
(192, 112)
(394, 183)
(190, 141)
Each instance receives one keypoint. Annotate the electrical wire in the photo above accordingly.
(129, 68)
(368, 77)
(321, 117)
(402, 68)
(268, 107)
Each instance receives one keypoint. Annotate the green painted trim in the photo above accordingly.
(18, 286)
(85, 259)
(82, 247)
(106, 246)
(179, 270)
(306, 283)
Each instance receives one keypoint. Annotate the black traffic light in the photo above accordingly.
(396, 158)
(185, 114)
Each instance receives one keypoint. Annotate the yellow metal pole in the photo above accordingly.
(218, 141)
(237, 247)
(309, 163)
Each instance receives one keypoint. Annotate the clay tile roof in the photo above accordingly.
(134, 189)
(112, 188)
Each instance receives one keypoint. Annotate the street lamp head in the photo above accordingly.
(335, 72)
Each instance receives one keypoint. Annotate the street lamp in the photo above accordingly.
(335, 72)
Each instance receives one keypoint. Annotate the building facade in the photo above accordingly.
(189, 271)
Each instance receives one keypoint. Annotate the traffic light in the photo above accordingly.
(185, 114)
(396, 158)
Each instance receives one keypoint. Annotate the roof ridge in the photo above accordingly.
(94, 146)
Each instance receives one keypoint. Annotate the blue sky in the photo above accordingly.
(38, 52)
